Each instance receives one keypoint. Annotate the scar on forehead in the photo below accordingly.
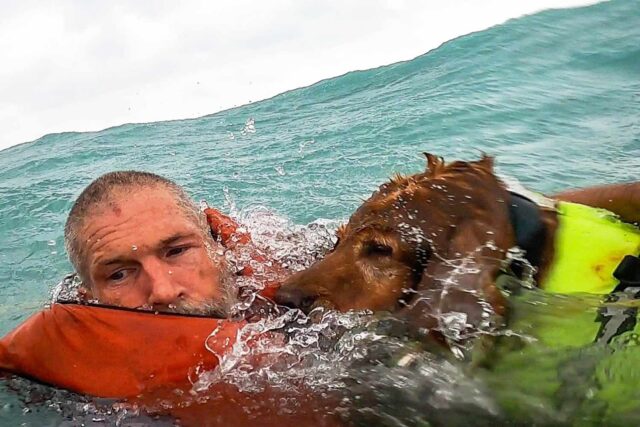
(115, 208)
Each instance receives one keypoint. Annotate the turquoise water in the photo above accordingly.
(555, 96)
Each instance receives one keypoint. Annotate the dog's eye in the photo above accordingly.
(378, 249)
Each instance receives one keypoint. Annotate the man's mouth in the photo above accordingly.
(187, 308)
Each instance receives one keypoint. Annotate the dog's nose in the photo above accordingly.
(295, 298)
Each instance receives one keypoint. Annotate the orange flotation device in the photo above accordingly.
(115, 352)
(112, 352)
(151, 360)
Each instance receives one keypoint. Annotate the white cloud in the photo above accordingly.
(79, 65)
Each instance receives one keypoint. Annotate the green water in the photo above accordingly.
(555, 96)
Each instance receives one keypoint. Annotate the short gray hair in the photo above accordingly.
(102, 190)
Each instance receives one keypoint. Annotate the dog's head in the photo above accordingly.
(431, 242)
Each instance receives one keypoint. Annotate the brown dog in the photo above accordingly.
(415, 237)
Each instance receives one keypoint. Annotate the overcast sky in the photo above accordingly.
(78, 65)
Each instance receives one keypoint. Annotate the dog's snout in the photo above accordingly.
(295, 298)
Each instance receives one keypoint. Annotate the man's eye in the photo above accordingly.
(118, 276)
(177, 251)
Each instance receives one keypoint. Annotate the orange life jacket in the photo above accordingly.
(111, 352)
(145, 358)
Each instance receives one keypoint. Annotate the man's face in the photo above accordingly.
(141, 250)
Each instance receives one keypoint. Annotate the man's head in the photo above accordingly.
(137, 240)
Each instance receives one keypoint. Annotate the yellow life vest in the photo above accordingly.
(589, 245)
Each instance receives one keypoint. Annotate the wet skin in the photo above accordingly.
(142, 250)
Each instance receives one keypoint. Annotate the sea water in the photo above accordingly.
(554, 96)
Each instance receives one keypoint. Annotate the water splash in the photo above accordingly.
(294, 246)
(67, 290)
(249, 127)
(328, 352)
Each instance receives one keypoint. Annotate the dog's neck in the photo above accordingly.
(534, 229)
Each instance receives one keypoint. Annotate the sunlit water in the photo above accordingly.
(555, 96)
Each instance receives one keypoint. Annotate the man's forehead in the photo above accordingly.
(139, 212)
(135, 201)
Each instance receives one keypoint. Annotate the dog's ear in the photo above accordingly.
(471, 259)
(486, 162)
(434, 163)
(459, 282)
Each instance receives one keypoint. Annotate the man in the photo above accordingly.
(137, 241)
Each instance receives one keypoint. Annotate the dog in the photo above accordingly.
(430, 247)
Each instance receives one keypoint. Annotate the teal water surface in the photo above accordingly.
(554, 96)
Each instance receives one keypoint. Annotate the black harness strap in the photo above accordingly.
(530, 232)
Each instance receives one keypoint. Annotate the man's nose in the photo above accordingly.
(164, 289)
